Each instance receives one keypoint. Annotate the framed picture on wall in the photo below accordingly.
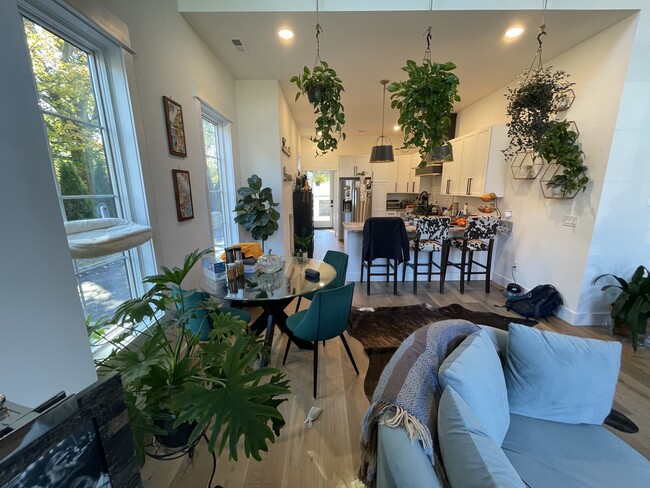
(175, 129)
(183, 194)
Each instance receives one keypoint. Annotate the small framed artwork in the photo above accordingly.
(175, 129)
(183, 194)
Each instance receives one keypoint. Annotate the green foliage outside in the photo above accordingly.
(65, 89)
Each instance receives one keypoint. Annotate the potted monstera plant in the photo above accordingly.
(425, 102)
(558, 145)
(631, 307)
(174, 382)
(323, 88)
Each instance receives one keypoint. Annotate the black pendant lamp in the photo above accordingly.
(382, 151)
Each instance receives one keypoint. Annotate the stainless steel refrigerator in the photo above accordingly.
(355, 203)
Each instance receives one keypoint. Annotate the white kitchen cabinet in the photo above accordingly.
(479, 165)
(385, 173)
(450, 181)
(406, 181)
(378, 199)
(353, 165)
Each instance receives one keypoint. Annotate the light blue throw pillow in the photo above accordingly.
(474, 370)
(470, 456)
(553, 376)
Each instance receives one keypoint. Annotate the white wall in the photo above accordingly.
(544, 250)
(170, 60)
(258, 112)
(44, 346)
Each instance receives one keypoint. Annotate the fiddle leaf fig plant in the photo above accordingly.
(558, 144)
(323, 88)
(425, 102)
(530, 107)
(255, 210)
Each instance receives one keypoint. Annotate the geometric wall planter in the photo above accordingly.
(526, 165)
(565, 101)
(555, 192)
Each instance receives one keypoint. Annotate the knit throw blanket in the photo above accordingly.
(408, 390)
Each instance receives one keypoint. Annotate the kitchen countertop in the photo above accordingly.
(358, 227)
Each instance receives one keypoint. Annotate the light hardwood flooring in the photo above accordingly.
(327, 455)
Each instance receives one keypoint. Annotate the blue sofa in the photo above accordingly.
(507, 421)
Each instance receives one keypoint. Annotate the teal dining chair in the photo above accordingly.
(326, 318)
(339, 261)
(200, 323)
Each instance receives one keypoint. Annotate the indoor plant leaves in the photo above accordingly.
(425, 102)
(255, 211)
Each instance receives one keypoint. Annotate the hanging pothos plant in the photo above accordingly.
(425, 102)
(323, 88)
(531, 105)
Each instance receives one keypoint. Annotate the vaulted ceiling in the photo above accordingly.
(365, 47)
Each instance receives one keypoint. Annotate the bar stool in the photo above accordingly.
(479, 236)
(384, 237)
(431, 235)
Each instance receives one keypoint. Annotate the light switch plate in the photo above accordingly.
(570, 220)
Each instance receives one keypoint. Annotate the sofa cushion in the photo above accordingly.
(471, 457)
(402, 463)
(550, 454)
(474, 370)
(558, 377)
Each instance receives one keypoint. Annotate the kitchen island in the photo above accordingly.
(352, 241)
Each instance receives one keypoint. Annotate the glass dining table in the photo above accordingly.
(273, 292)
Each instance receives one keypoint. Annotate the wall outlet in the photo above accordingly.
(570, 220)
(508, 213)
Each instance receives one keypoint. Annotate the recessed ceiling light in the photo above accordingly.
(396, 128)
(514, 32)
(285, 34)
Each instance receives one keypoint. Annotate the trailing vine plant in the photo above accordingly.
(323, 88)
(558, 145)
(425, 102)
(533, 102)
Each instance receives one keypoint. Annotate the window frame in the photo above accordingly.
(109, 73)
(226, 171)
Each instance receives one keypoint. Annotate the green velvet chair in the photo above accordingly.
(326, 318)
(200, 323)
(339, 261)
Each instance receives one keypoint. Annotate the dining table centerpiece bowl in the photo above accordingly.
(269, 263)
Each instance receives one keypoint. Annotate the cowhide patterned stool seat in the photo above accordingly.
(479, 236)
(431, 235)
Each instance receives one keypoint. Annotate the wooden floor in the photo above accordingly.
(327, 454)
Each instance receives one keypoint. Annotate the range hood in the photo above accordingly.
(431, 169)
(436, 159)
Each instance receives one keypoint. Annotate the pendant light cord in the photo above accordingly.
(383, 107)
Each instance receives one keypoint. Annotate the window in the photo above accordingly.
(80, 79)
(217, 145)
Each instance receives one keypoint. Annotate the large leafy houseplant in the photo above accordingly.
(323, 88)
(558, 144)
(425, 102)
(631, 307)
(168, 373)
(530, 107)
(255, 210)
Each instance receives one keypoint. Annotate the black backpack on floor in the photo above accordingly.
(539, 302)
